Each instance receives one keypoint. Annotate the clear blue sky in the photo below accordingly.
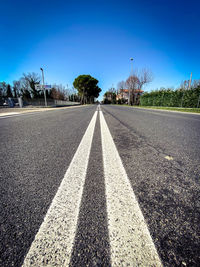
(69, 38)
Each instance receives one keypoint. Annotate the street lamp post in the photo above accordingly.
(44, 90)
(129, 96)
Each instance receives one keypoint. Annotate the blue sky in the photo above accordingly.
(69, 38)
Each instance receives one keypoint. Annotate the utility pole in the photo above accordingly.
(189, 85)
(44, 89)
(129, 95)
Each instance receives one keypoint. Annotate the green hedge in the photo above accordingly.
(172, 98)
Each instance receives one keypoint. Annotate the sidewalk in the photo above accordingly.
(16, 110)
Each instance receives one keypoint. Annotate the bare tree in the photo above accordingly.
(16, 88)
(28, 82)
(195, 83)
(25, 89)
(137, 81)
(145, 76)
(58, 92)
(112, 90)
(3, 88)
(132, 82)
(121, 85)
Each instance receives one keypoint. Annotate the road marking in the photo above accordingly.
(169, 157)
(18, 115)
(130, 240)
(8, 114)
(53, 243)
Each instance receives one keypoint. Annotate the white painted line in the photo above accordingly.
(130, 240)
(18, 115)
(169, 157)
(8, 114)
(54, 241)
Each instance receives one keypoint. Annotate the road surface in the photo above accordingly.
(100, 186)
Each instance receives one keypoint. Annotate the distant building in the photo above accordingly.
(124, 94)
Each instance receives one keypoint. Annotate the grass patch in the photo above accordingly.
(193, 110)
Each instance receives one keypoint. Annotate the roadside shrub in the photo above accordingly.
(172, 98)
(106, 101)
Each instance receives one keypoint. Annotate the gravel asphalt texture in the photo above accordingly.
(167, 190)
(36, 151)
(37, 148)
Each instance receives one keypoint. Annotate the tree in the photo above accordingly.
(195, 83)
(29, 81)
(145, 76)
(16, 88)
(136, 82)
(58, 92)
(113, 94)
(121, 85)
(132, 84)
(87, 88)
(25, 89)
(9, 91)
(3, 89)
(110, 96)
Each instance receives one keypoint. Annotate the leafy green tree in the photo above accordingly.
(110, 96)
(87, 88)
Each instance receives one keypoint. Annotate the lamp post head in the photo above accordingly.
(131, 58)
(41, 69)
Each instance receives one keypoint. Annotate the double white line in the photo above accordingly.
(130, 241)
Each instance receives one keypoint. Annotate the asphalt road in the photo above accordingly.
(160, 152)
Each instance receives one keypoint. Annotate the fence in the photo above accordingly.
(9, 102)
(65, 103)
(36, 102)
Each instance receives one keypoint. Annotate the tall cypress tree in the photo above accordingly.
(9, 91)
